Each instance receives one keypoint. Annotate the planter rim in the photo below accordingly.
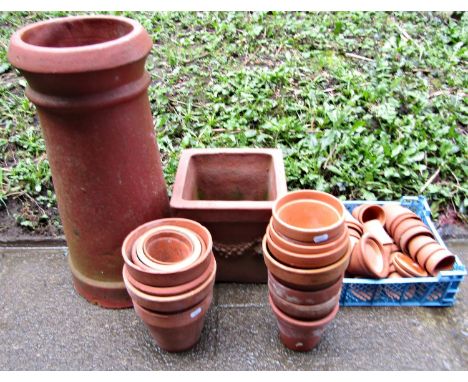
(178, 202)
(303, 323)
(128, 48)
(303, 271)
(172, 298)
(303, 194)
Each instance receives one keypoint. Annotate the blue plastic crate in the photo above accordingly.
(417, 291)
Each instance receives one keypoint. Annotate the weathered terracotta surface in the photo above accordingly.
(178, 331)
(303, 297)
(301, 335)
(231, 192)
(305, 311)
(86, 77)
(305, 279)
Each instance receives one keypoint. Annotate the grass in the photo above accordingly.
(363, 105)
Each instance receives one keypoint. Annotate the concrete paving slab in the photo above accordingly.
(44, 324)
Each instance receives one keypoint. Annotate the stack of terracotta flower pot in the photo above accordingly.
(392, 241)
(169, 273)
(306, 249)
(420, 254)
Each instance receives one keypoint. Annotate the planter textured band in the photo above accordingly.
(86, 77)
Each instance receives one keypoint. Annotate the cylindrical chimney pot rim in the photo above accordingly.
(133, 45)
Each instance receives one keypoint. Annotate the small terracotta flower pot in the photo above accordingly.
(301, 335)
(368, 258)
(305, 248)
(167, 279)
(408, 265)
(170, 304)
(171, 291)
(404, 226)
(411, 233)
(307, 261)
(394, 211)
(308, 311)
(426, 251)
(378, 231)
(368, 212)
(305, 279)
(418, 242)
(301, 297)
(318, 218)
(168, 248)
(179, 331)
(440, 261)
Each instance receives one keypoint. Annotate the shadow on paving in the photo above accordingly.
(44, 324)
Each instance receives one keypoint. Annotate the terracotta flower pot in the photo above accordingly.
(175, 303)
(418, 242)
(413, 217)
(171, 291)
(299, 335)
(426, 251)
(315, 217)
(86, 76)
(155, 278)
(305, 248)
(368, 258)
(305, 279)
(231, 192)
(308, 311)
(378, 231)
(440, 261)
(179, 331)
(303, 297)
(368, 212)
(394, 211)
(307, 261)
(411, 233)
(404, 262)
(404, 226)
(167, 248)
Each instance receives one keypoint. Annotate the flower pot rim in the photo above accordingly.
(413, 269)
(364, 254)
(204, 257)
(130, 47)
(303, 272)
(172, 290)
(412, 232)
(304, 323)
(168, 267)
(297, 195)
(173, 298)
(166, 320)
(336, 252)
(317, 248)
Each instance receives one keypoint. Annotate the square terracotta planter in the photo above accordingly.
(231, 192)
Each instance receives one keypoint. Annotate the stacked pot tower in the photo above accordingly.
(306, 249)
(169, 273)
